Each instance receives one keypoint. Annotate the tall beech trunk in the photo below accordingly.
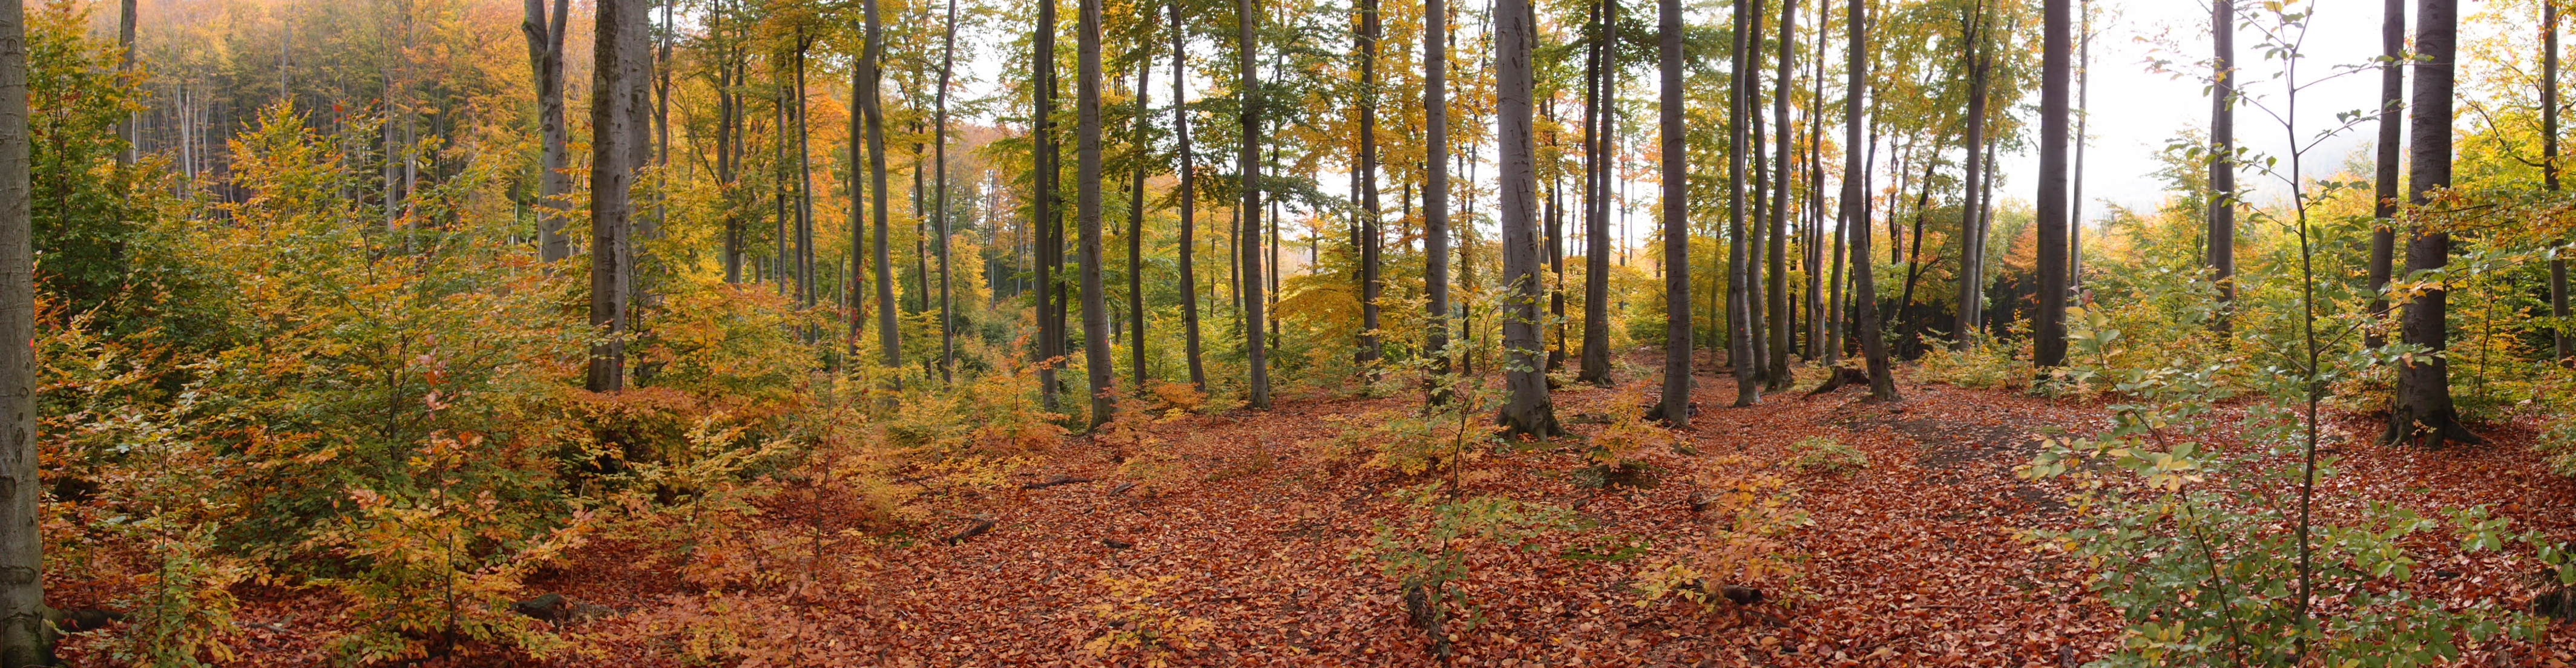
(1864, 300)
(1435, 188)
(1529, 410)
(1136, 222)
(1042, 220)
(2423, 412)
(2056, 70)
(1095, 305)
(621, 93)
(871, 74)
(25, 636)
(2391, 155)
(1780, 180)
(2222, 157)
(947, 321)
(1972, 240)
(1601, 109)
(1255, 345)
(2083, 118)
(1739, 269)
(2549, 169)
(1370, 236)
(1189, 198)
(1676, 405)
(545, 32)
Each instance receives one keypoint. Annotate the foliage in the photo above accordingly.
(1139, 626)
(1820, 454)
(1740, 545)
(1430, 561)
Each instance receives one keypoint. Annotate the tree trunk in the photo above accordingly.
(1095, 306)
(1873, 344)
(1780, 180)
(1043, 215)
(620, 93)
(871, 74)
(25, 636)
(2083, 118)
(2391, 155)
(1256, 353)
(1596, 211)
(1528, 411)
(1189, 198)
(1676, 405)
(545, 56)
(2056, 67)
(1435, 188)
(1370, 236)
(1972, 241)
(947, 320)
(2222, 158)
(1756, 235)
(1739, 298)
(2549, 170)
(1136, 221)
(2423, 412)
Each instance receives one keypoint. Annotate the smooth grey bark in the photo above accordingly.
(2423, 412)
(2549, 169)
(1780, 180)
(1189, 198)
(1528, 410)
(1598, 114)
(620, 93)
(947, 317)
(2056, 74)
(125, 128)
(2391, 156)
(1095, 305)
(1739, 269)
(872, 108)
(1435, 188)
(1049, 231)
(2083, 118)
(1136, 222)
(1256, 347)
(1972, 246)
(2222, 157)
(25, 637)
(1864, 300)
(1370, 236)
(1676, 405)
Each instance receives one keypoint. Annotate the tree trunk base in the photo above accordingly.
(2431, 431)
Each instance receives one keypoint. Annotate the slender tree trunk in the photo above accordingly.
(25, 639)
(1189, 197)
(1256, 348)
(871, 74)
(2391, 155)
(2423, 412)
(2549, 170)
(947, 318)
(1529, 410)
(1756, 235)
(619, 92)
(806, 288)
(1370, 215)
(545, 56)
(1972, 241)
(1043, 215)
(2083, 118)
(1095, 308)
(1435, 188)
(1873, 344)
(127, 127)
(1739, 269)
(2222, 157)
(1596, 213)
(1676, 406)
(2056, 65)
(1136, 221)
(1779, 250)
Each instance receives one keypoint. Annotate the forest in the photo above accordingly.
(750, 333)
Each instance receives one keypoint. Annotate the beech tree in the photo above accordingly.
(1188, 196)
(26, 636)
(2057, 46)
(620, 93)
(1435, 183)
(2390, 153)
(2423, 412)
(1095, 305)
(1528, 411)
(2222, 156)
(1256, 349)
(545, 32)
(1676, 405)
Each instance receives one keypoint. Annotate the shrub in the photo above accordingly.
(1740, 546)
(1428, 561)
(1141, 627)
(1819, 454)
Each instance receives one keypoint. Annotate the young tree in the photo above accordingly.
(2056, 69)
(1189, 197)
(1779, 246)
(1675, 409)
(1369, 214)
(2391, 152)
(2222, 156)
(1136, 218)
(25, 639)
(1739, 269)
(2423, 412)
(1864, 306)
(1256, 353)
(620, 93)
(1972, 239)
(545, 56)
(1050, 246)
(1529, 410)
(1095, 306)
(1435, 187)
(1596, 208)
(947, 321)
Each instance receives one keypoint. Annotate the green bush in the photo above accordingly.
(1818, 454)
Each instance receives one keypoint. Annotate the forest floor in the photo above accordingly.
(1914, 560)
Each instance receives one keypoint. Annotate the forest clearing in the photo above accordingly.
(757, 333)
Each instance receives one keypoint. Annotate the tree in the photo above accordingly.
(125, 17)
(1675, 409)
(1596, 209)
(2549, 170)
(1369, 214)
(1855, 224)
(1528, 411)
(1188, 195)
(2391, 152)
(620, 93)
(947, 320)
(1739, 268)
(2423, 412)
(1042, 219)
(2222, 156)
(1095, 306)
(1435, 186)
(872, 108)
(2056, 74)
(1256, 353)
(1136, 219)
(1779, 246)
(545, 56)
(24, 634)
(1972, 240)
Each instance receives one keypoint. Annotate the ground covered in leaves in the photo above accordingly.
(1256, 550)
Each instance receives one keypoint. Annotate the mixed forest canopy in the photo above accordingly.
(794, 332)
